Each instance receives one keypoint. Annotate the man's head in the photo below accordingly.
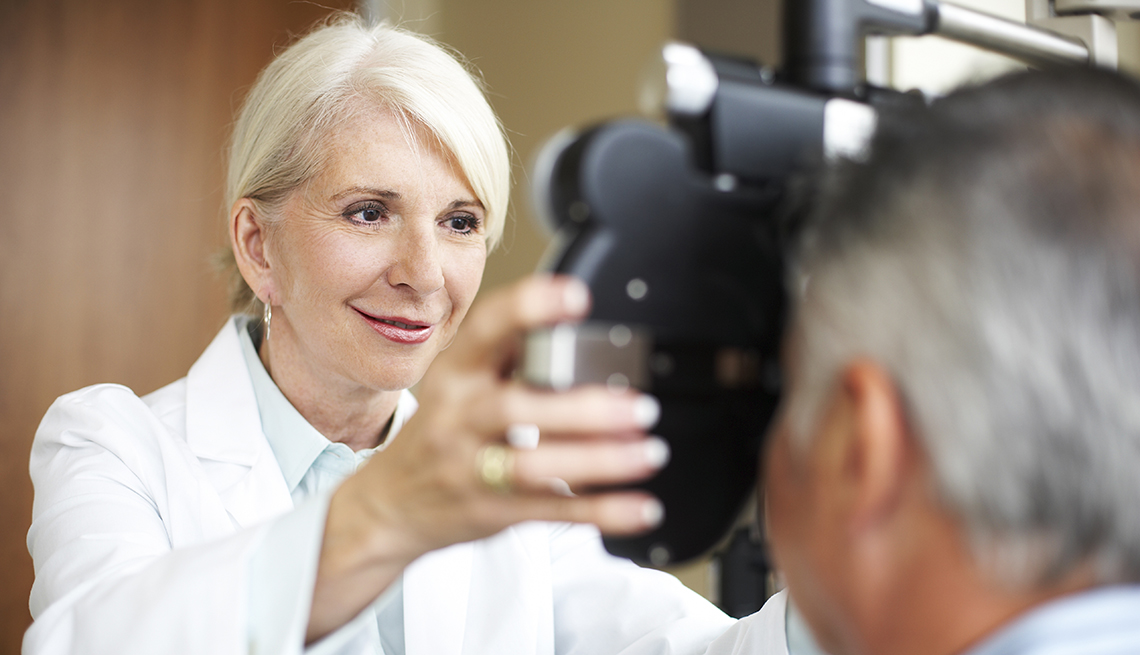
(962, 421)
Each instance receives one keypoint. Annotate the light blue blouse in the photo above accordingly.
(313, 467)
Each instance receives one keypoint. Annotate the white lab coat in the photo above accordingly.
(147, 510)
(762, 633)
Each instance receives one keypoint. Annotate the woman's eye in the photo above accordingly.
(463, 224)
(367, 214)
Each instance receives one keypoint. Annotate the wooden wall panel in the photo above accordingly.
(112, 119)
(748, 28)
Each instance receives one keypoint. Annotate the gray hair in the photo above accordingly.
(988, 255)
(316, 83)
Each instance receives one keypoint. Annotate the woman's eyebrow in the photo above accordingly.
(364, 190)
(393, 195)
(458, 204)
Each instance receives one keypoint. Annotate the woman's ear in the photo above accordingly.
(248, 236)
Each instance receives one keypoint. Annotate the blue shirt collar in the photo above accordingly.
(1100, 621)
(295, 442)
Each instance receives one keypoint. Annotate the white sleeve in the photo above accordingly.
(283, 570)
(604, 604)
(762, 633)
(107, 577)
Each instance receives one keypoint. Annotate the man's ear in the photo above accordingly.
(248, 232)
(880, 448)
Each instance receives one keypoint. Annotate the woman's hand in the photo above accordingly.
(426, 491)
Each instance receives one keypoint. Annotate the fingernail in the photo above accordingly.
(575, 297)
(646, 411)
(559, 486)
(523, 435)
(652, 513)
(656, 452)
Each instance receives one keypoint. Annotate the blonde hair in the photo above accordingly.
(312, 86)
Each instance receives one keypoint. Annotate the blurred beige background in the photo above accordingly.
(112, 119)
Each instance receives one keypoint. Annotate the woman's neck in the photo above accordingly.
(343, 412)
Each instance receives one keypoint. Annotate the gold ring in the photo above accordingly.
(495, 463)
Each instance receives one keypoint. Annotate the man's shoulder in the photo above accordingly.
(1101, 621)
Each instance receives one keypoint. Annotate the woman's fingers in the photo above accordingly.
(529, 492)
(451, 475)
(617, 513)
(581, 410)
(585, 464)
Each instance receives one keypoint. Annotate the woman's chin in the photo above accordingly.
(396, 376)
(392, 367)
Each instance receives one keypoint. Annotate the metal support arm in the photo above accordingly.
(1031, 45)
(822, 35)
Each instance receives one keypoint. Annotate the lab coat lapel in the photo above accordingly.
(436, 590)
(486, 596)
(511, 607)
(223, 429)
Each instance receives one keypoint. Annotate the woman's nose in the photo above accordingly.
(417, 263)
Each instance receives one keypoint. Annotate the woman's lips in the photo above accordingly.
(399, 329)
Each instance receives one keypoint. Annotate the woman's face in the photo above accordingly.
(376, 259)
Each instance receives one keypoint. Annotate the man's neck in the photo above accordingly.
(942, 601)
